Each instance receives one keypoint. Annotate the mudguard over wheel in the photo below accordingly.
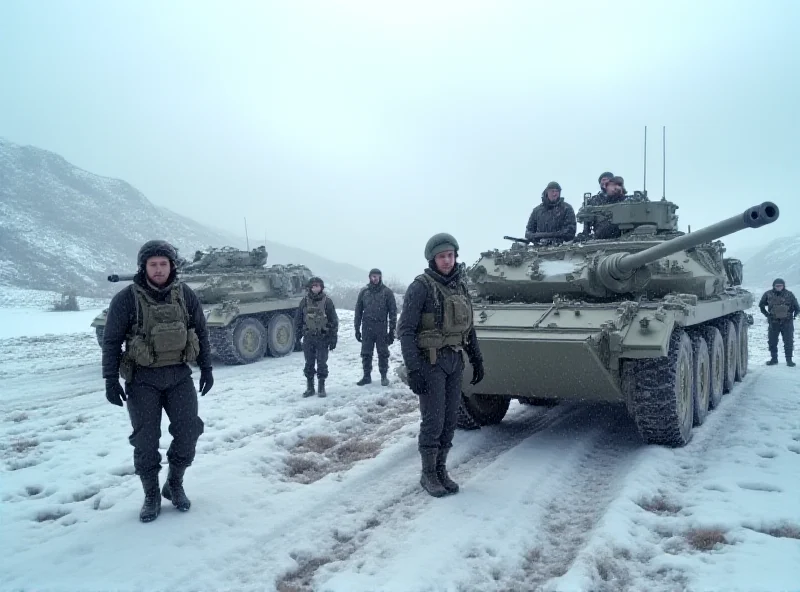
(661, 393)
(702, 378)
(744, 352)
(242, 342)
(280, 335)
(485, 409)
(716, 355)
(730, 340)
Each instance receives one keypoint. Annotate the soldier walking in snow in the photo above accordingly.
(375, 304)
(163, 327)
(435, 327)
(780, 307)
(316, 321)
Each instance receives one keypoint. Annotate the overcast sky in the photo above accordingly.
(359, 128)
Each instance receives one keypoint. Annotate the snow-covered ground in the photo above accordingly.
(294, 494)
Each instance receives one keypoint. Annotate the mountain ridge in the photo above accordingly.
(62, 225)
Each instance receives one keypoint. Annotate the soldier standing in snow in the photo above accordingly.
(435, 327)
(316, 321)
(375, 304)
(780, 307)
(163, 327)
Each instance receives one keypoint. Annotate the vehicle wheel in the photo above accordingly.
(716, 356)
(486, 409)
(100, 332)
(702, 378)
(242, 342)
(280, 336)
(731, 343)
(661, 393)
(744, 353)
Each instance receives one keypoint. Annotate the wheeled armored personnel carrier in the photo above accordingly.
(655, 319)
(249, 307)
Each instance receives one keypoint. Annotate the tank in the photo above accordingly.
(654, 320)
(249, 307)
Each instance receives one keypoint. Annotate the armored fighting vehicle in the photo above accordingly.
(249, 307)
(654, 319)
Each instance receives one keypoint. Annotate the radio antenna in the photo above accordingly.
(246, 238)
(664, 165)
(644, 184)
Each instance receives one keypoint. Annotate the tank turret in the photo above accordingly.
(651, 256)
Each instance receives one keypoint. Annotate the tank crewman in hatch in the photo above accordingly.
(552, 221)
(318, 324)
(435, 327)
(780, 307)
(614, 193)
(164, 328)
(374, 306)
(603, 181)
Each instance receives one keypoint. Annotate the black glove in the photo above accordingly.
(416, 381)
(390, 337)
(206, 381)
(332, 342)
(114, 392)
(358, 335)
(477, 371)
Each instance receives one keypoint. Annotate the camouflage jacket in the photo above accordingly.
(784, 303)
(554, 221)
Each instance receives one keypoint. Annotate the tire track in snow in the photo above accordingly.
(382, 492)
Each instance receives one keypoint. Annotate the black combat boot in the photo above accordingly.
(321, 389)
(441, 472)
(366, 380)
(151, 507)
(429, 479)
(173, 489)
(789, 361)
(384, 379)
(773, 360)
(310, 386)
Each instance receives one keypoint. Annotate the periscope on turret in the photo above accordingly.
(249, 307)
(655, 319)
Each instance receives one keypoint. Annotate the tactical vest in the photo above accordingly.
(456, 310)
(779, 305)
(160, 336)
(314, 316)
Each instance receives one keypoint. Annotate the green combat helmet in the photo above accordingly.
(439, 243)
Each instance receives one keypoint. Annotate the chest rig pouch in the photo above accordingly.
(778, 307)
(314, 316)
(456, 314)
(161, 335)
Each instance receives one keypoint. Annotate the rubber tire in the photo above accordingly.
(730, 340)
(744, 352)
(100, 333)
(716, 355)
(486, 409)
(276, 323)
(702, 378)
(224, 340)
(661, 393)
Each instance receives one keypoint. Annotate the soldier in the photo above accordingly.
(780, 307)
(375, 304)
(316, 321)
(614, 193)
(163, 327)
(553, 220)
(603, 181)
(435, 326)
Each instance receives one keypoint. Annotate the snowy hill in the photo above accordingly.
(62, 225)
(779, 259)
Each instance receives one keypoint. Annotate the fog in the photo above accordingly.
(358, 129)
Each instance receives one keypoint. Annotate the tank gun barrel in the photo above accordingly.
(121, 277)
(616, 269)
